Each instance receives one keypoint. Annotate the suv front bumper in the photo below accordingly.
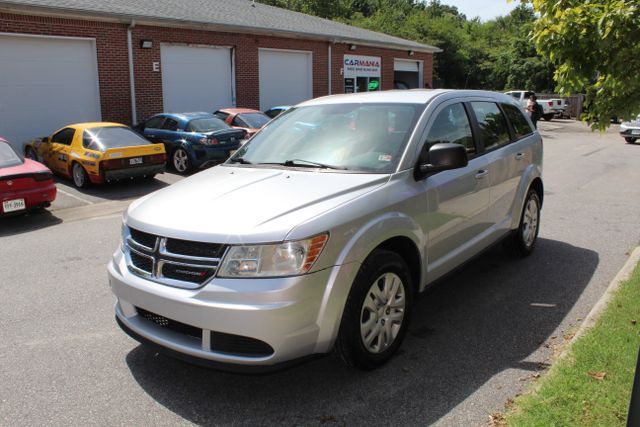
(295, 317)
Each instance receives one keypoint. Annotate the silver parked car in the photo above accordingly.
(320, 232)
(630, 130)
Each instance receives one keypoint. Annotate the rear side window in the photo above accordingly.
(104, 138)
(452, 126)
(209, 124)
(154, 123)
(222, 116)
(65, 136)
(170, 124)
(8, 156)
(493, 125)
(521, 126)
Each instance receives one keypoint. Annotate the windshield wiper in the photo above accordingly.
(309, 163)
(240, 160)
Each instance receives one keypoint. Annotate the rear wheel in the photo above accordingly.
(523, 240)
(548, 117)
(377, 311)
(181, 161)
(80, 178)
(630, 140)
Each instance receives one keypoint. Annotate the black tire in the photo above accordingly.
(79, 176)
(30, 154)
(516, 243)
(180, 161)
(630, 140)
(548, 117)
(350, 343)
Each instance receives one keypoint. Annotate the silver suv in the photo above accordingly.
(319, 233)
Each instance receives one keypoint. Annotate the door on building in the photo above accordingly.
(362, 73)
(196, 78)
(45, 84)
(407, 74)
(286, 77)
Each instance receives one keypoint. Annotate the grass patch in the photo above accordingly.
(592, 385)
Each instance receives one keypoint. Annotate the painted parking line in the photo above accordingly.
(73, 196)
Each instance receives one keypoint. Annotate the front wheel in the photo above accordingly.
(181, 161)
(377, 312)
(548, 117)
(523, 240)
(630, 140)
(79, 176)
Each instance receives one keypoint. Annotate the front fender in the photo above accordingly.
(532, 172)
(354, 251)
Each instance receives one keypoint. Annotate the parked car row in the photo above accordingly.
(100, 152)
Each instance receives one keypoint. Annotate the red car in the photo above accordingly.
(24, 184)
(243, 118)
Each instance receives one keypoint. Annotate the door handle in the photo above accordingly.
(482, 173)
(520, 156)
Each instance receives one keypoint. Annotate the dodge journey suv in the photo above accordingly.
(319, 233)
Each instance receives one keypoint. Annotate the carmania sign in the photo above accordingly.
(361, 66)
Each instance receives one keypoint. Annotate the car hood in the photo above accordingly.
(245, 204)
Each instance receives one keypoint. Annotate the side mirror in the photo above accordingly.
(46, 139)
(442, 157)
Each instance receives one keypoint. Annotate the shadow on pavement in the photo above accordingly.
(486, 318)
(30, 221)
(119, 190)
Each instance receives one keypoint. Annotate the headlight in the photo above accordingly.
(624, 126)
(284, 259)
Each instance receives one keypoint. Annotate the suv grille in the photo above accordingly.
(194, 249)
(142, 238)
(173, 262)
(141, 262)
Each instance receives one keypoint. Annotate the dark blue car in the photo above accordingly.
(192, 140)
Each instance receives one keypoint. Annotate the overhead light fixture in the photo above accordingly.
(353, 47)
(146, 44)
(411, 53)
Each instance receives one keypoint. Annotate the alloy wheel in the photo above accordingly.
(382, 313)
(530, 222)
(180, 160)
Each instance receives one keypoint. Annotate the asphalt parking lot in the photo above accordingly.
(476, 340)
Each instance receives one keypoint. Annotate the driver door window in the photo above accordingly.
(451, 126)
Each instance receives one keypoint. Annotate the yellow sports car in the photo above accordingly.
(97, 153)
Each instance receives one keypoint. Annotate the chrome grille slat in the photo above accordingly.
(168, 268)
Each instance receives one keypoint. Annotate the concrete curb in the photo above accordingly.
(623, 275)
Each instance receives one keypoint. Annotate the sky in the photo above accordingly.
(485, 9)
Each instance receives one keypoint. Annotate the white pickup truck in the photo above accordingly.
(523, 97)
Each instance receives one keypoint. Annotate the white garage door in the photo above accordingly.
(196, 78)
(285, 78)
(45, 84)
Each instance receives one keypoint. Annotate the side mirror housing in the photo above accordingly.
(442, 157)
(46, 139)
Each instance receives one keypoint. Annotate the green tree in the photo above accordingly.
(595, 45)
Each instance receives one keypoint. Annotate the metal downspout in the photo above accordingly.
(132, 82)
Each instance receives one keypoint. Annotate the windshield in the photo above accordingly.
(8, 156)
(210, 124)
(356, 137)
(104, 138)
(254, 120)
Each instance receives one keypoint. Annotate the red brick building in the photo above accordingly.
(85, 60)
